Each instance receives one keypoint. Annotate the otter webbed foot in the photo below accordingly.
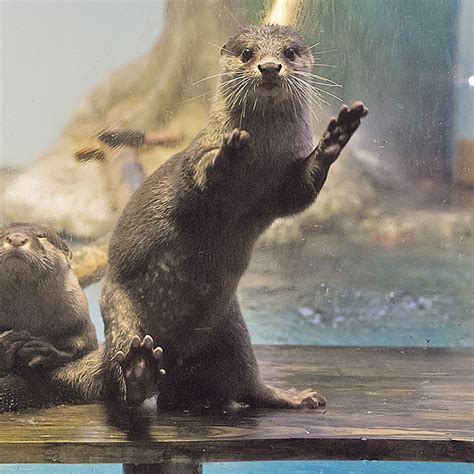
(339, 131)
(269, 397)
(141, 369)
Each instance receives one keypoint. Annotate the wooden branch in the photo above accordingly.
(89, 263)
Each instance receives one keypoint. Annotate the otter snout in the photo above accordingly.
(269, 70)
(16, 240)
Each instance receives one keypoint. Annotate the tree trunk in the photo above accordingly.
(153, 91)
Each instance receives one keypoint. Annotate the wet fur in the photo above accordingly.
(41, 303)
(186, 237)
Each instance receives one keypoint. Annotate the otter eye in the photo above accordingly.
(246, 55)
(290, 53)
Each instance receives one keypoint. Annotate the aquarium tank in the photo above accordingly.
(384, 257)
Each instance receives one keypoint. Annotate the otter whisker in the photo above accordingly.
(326, 52)
(230, 84)
(234, 100)
(233, 97)
(256, 96)
(227, 88)
(197, 97)
(209, 77)
(305, 95)
(303, 98)
(220, 48)
(244, 108)
(317, 90)
(234, 90)
(325, 80)
(310, 47)
(309, 98)
(287, 85)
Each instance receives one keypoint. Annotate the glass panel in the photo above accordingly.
(385, 257)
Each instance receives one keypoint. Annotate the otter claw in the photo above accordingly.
(141, 369)
(157, 353)
(147, 342)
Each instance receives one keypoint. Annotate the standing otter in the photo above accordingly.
(186, 236)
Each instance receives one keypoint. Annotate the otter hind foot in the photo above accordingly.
(269, 397)
(141, 369)
(340, 130)
(306, 399)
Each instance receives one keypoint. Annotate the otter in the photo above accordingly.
(186, 236)
(49, 353)
(44, 316)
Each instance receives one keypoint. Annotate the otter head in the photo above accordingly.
(30, 252)
(266, 64)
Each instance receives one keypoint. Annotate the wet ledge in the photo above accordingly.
(384, 403)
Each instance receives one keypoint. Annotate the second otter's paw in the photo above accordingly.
(141, 369)
(37, 352)
(235, 140)
(10, 343)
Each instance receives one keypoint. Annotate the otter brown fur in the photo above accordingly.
(44, 316)
(186, 236)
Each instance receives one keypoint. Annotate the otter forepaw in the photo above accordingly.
(141, 369)
(340, 130)
(235, 140)
(37, 352)
(10, 343)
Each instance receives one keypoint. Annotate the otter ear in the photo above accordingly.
(69, 254)
(66, 249)
(60, 244)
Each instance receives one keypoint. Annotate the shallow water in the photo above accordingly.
(277, 467)
(332, 290)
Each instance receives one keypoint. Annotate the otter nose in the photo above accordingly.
(269, 70)
(16, 240)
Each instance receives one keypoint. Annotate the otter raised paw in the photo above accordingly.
(235, 141)
(141, 368)
(218, 163)
(339, 131)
